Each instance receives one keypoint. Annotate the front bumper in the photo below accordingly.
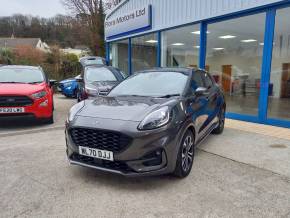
(41, 108)
(148, 153)
(67, 91)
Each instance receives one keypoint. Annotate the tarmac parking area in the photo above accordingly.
(229, 179)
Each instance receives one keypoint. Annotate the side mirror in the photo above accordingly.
(79, 79)
(201, 91)
(52, 82)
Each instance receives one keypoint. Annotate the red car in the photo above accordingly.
(25, 91)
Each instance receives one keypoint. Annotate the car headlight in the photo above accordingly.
(39, 95)
(155, 119)
(74, 110)
(91, 90)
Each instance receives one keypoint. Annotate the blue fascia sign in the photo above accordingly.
(138, 20)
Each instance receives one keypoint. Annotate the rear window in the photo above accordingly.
(92, 61)
(99, 74)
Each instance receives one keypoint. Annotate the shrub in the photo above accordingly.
(27, 55)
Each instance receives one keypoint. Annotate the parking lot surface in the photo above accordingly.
(37, 181)
(62, 106)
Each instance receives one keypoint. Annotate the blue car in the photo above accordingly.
(68, 87)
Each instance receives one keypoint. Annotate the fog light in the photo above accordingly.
(153, 158)
(44, 104)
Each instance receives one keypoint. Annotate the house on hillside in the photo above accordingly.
(80, 51)
(12, 43)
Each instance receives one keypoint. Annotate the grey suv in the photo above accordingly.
(149, 124)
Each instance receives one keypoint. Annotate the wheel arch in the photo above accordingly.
(187, 125)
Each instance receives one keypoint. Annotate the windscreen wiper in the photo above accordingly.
(168, 96)
(14, 82)
(34, 82)
(131, 96)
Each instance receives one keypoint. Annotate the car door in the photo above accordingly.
(211, 96)
(198, 102)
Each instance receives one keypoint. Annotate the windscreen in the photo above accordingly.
(152, 84)
(21, 75)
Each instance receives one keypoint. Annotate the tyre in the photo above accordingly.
(185, 155)
(75, 94)
(78, 99)
(220, 128)
(49, 120)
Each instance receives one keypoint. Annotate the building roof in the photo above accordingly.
(14, 42)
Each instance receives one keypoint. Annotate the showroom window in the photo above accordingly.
(144, 52)
(180, 47)
(234, 59)
(279, 87)
(119, 55)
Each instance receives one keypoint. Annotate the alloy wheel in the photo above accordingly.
(187, 153)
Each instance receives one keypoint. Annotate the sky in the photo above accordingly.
(42, 8)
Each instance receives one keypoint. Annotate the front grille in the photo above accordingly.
(28, 115)
(15, 101)
(116, 165)
(100, 139)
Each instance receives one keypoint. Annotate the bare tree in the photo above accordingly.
(91, 13)
(110, 4)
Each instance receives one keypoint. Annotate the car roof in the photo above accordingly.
(169, 69)
(20, 67)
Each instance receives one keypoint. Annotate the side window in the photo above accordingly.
(207, 80)
(124, 75)
(196, 80)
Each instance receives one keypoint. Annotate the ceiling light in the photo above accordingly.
(198, 32)
(178, 44)
(262, 43)
(218, 49)
(227, 37)
(152, 41)
(249, 40)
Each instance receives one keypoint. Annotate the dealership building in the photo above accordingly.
(244, 44)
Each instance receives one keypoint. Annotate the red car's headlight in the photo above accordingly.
(39, 95)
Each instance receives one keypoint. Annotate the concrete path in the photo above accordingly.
(269, 149)
(37, 181)
(244, 172)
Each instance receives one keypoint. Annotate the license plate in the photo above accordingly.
(11, 110)
(96, 153)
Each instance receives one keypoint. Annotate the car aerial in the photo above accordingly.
(68, 87)
(149, 124)
(25, 91)
(97, 80)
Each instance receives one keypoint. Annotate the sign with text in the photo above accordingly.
(135, 21)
